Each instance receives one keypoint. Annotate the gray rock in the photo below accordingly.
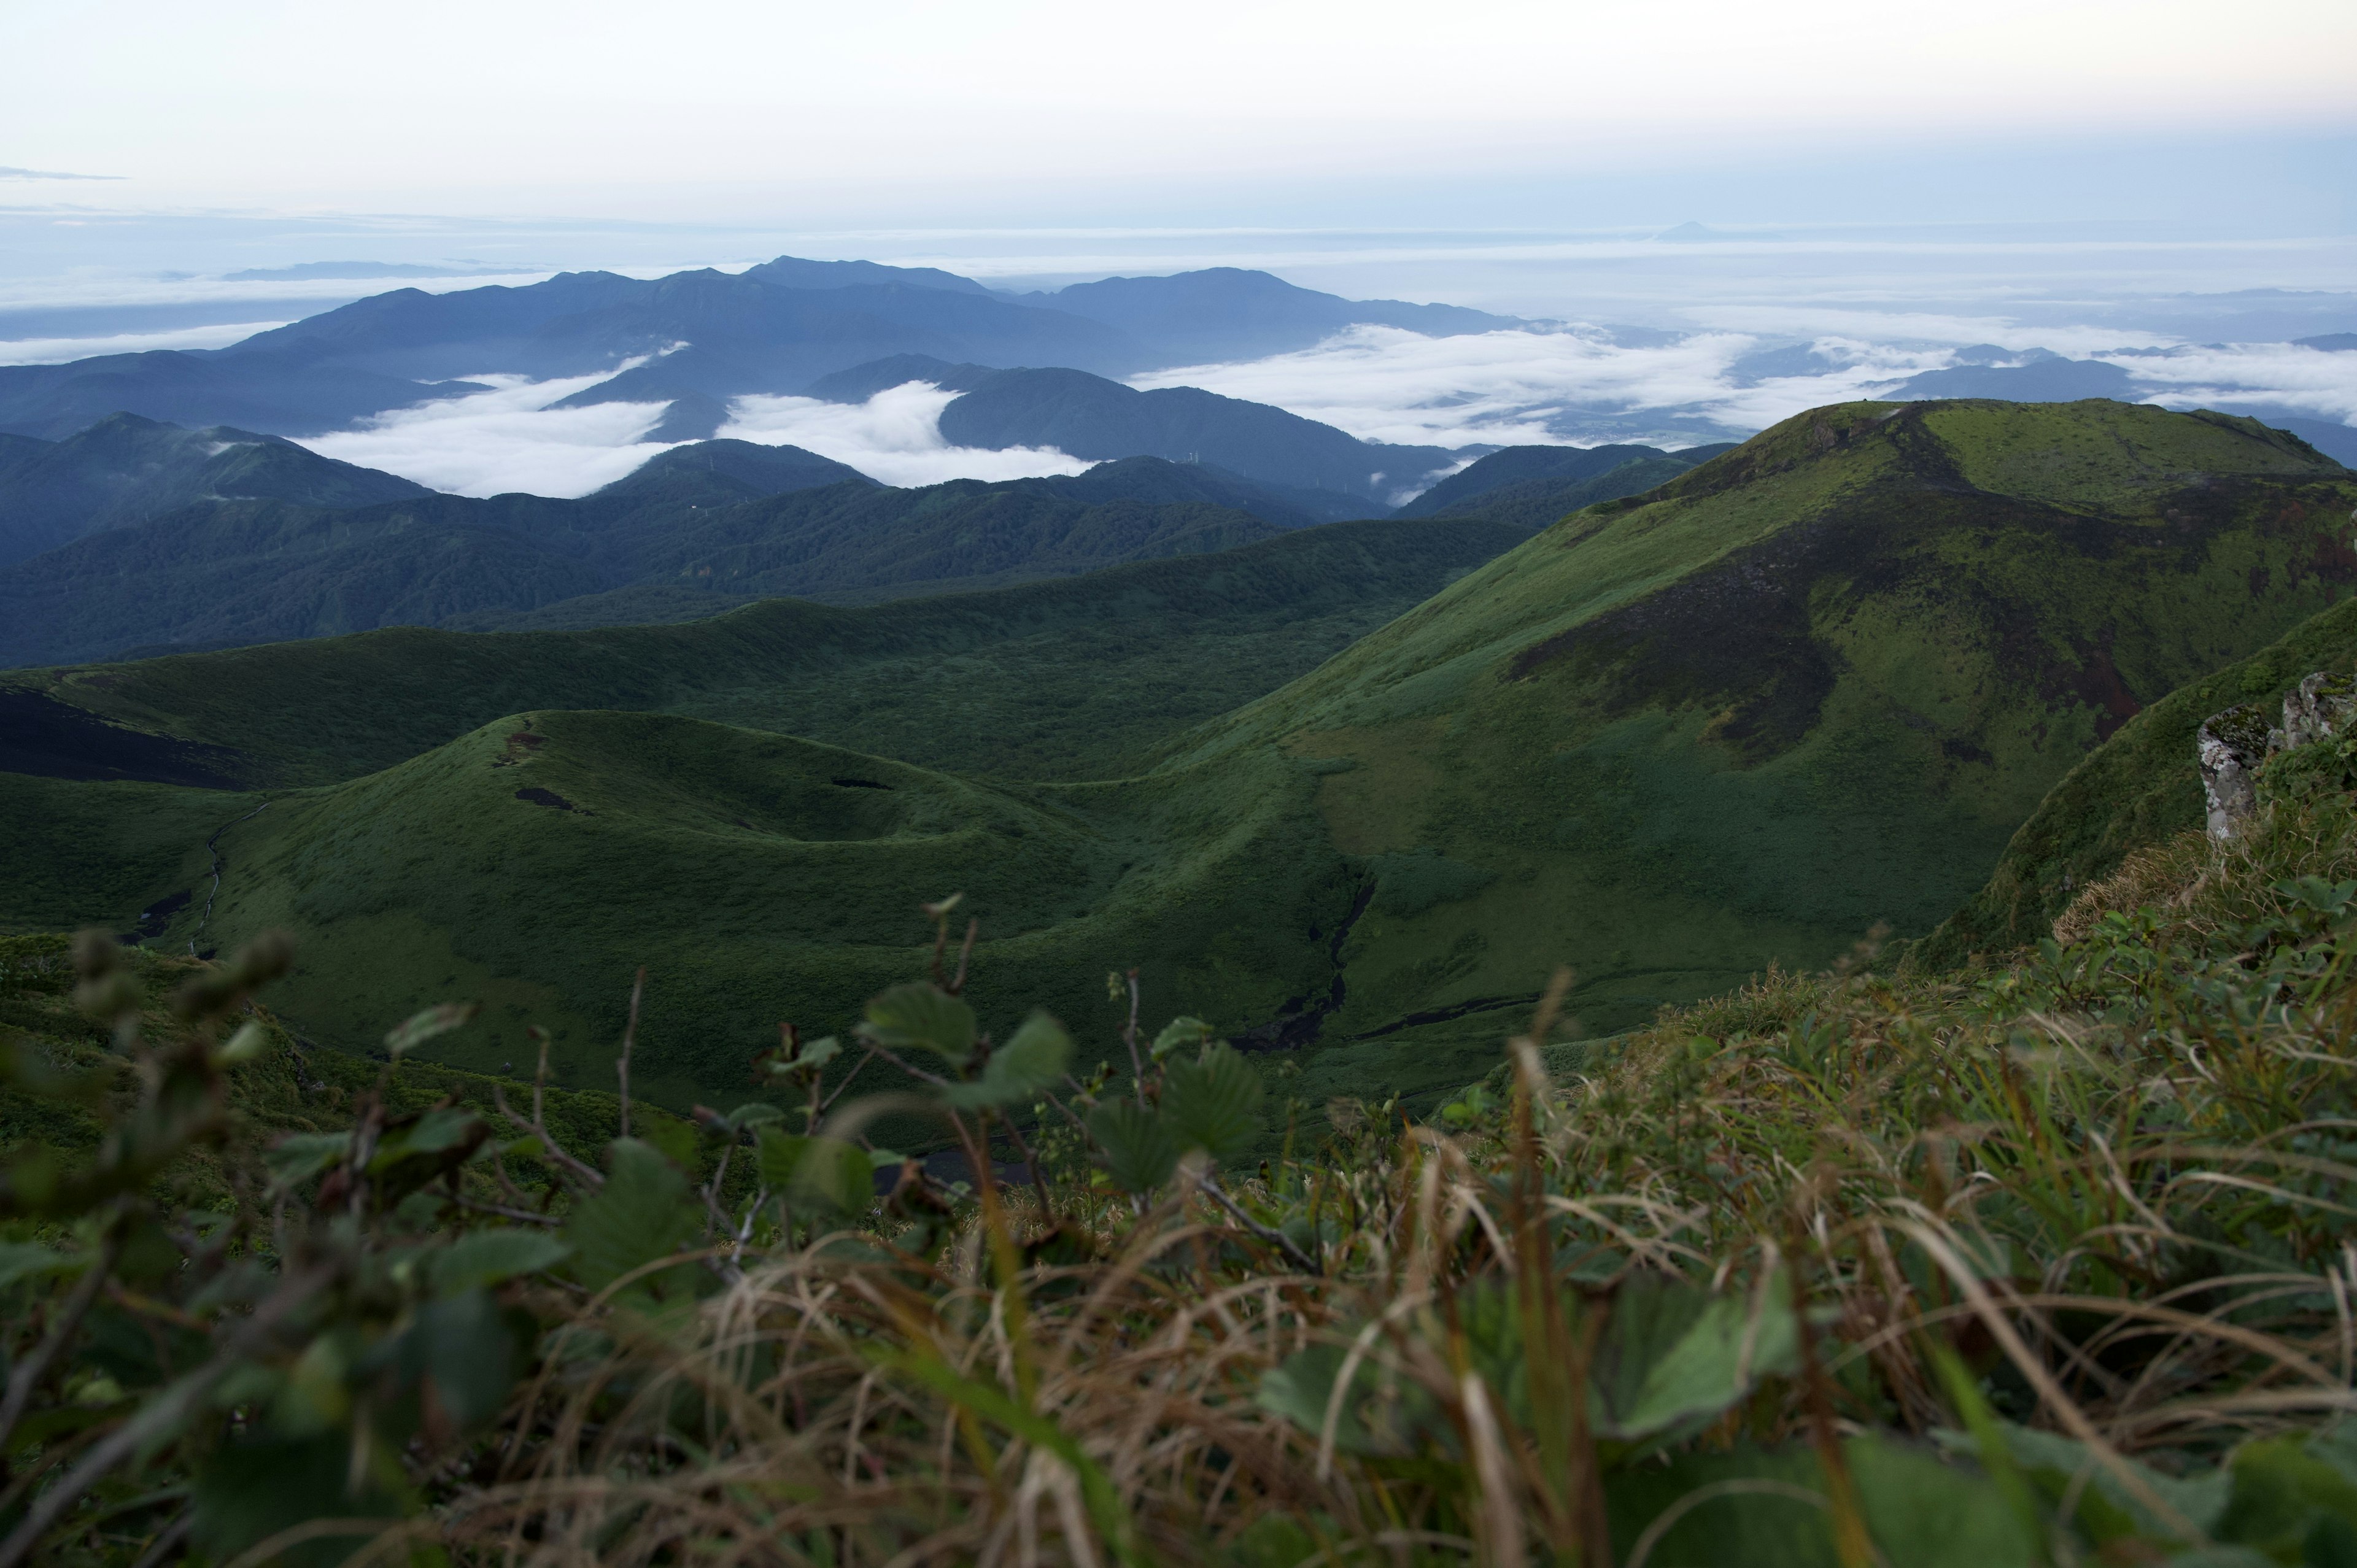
(2230, 747)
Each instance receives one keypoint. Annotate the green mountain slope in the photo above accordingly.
(1064, 679)
(125, 469)
(1812, 686)
(224, 574)
(2137, 789)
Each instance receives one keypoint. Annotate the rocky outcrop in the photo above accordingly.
(2232, 744)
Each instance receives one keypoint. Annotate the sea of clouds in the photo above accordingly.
(1572, 385)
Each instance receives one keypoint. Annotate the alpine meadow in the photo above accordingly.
(821, 913)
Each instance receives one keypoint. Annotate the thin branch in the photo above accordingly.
(629, 1035)
(159, 1416)
(828, 1103)
(505, 1212)
(29, 1373)
(1276, 1239)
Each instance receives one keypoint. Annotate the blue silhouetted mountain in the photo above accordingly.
(701, 339)
(1090, 418)
(2330, 342)
(1228, 313)
(263, 391)
(2338, 442)
(2045, 378)
(223, 572)
(792, 272)
(707, 472)
(124, 470)
(1531, 487)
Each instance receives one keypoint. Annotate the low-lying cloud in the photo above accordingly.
(490, 443)
(1584, 385)
(1577, 386)
(1511, 388)
(510, 438)
(894, 436)
(62, 350)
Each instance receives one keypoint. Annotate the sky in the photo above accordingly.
(1035, 111)
(1894, 183)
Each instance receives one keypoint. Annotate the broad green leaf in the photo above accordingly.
(31, 1260)
(1033, 1060)
(1675, 1355)
(1767, 1507)
(482, 1258)
(425, 1025)
(1136, 1145)
(819, 1052)
(922, 1017)
(821, 1174)
(1180, 1033)
(757, 1113)
(249, 1491)
(299, 1157)
(1382, 1415)
(1214, 1104)
(642, 1213)
(466, 1349)
(2059, 1465)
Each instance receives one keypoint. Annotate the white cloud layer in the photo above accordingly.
(1579, 385)
(508, 438)
(894, 436)
(2309, 379)
(59, 351)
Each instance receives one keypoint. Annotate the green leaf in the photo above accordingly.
(425, 1025)
(1138, 1146)
(819, 1052)
(642, 1213)
(759, 1112)
(922, 1017)
(1180, 1032)
(482, 1258)
(825, 1175)
(1754, 1506)
(1383, 1414)
(464, 1346)
(1675, 1355)
(30, 1259)
(299, 1157)
(1033, 1060)
(249, 1491)
(1214, 1104)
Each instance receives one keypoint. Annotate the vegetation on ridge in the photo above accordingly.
(2035, 1266)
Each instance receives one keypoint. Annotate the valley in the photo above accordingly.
(1350, 790)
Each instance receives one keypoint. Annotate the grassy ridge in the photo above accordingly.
(759, 878)
(1812, 684)
(2137, 791)
(1062, 679)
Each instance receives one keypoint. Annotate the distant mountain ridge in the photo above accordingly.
(707, 337)
(124, 470)
(1097, 419)
(720, 520)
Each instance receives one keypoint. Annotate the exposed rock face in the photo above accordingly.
(2321, 707)
(2232, 744)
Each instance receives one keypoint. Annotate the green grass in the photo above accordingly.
(1067, 679)
(1812, 685)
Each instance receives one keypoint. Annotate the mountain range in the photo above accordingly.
(1813, 683)
(704, 338)
(138, 536)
